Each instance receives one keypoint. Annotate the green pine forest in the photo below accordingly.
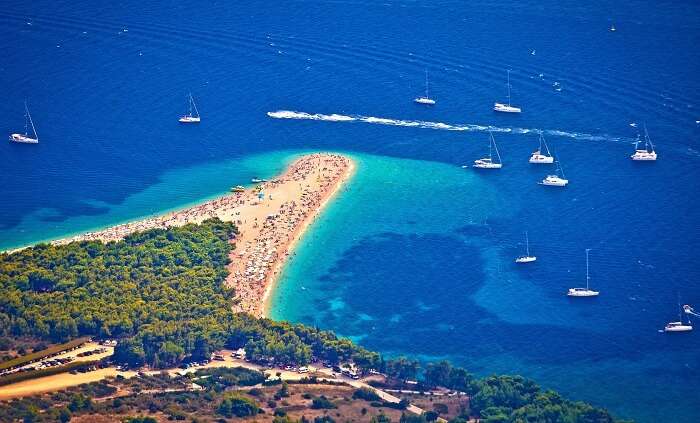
(161, 293)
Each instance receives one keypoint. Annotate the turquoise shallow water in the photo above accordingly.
(412, 258)
(386, 196)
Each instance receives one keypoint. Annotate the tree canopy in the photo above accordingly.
(160, 292)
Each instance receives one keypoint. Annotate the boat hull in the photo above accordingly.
(23, 139)
(528, 259)
(581, 293)
(537, 158)
(504, 108)
(188, 119)
(558, 182)
(682, 328)
(679, 329)
(643, 157)
(487, 165)
(424, 100)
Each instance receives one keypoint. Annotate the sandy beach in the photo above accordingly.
(271, 217)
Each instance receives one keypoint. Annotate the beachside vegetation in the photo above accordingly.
(224, 392)
(161, 293)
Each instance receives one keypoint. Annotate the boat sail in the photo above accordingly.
(191, 117)
(558, 180)
(644, 154)
(426, 98)
(527, 258)
(583, 292)
(26, 138)
(537, 157)
(488, 162)
(506, 108)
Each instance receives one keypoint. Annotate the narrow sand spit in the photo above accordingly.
(271, 217)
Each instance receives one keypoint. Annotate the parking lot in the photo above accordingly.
(89, 351)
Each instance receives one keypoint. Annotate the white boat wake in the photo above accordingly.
(690, 310)
(467, 127)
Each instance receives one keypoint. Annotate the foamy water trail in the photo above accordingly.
(467, 127)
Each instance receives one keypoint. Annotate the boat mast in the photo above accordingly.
(190, 105)
(543, 141)
(194, 105)
(527, 244)
(680, 310)
(426, 84)
(647, 140)
(561, 169)
(508, 75)
(587, 276)
(492, 141)
(490, 145)
(28, 119)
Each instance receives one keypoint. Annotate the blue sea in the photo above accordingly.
(415, 256)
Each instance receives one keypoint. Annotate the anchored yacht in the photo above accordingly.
(583, 292)
(488, 162)
(680, 326)
(557, 180)
(426, 98)
(193, 114)
(506, 108)
(538, 157)
(26, 138)
(527, 258)
(644, 154)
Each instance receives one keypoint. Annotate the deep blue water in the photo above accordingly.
(415, 257)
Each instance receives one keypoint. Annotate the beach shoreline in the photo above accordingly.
(299, 234)
(261, 253)
(271, 218)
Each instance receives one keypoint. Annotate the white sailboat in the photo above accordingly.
(679, 326)
(527, 258)
(583, 292)
(506, 108)
(538, 158)
(191, 117)
(426, 98)
(26, 138)
(558, 180)
(488, 162)
(644, 154)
